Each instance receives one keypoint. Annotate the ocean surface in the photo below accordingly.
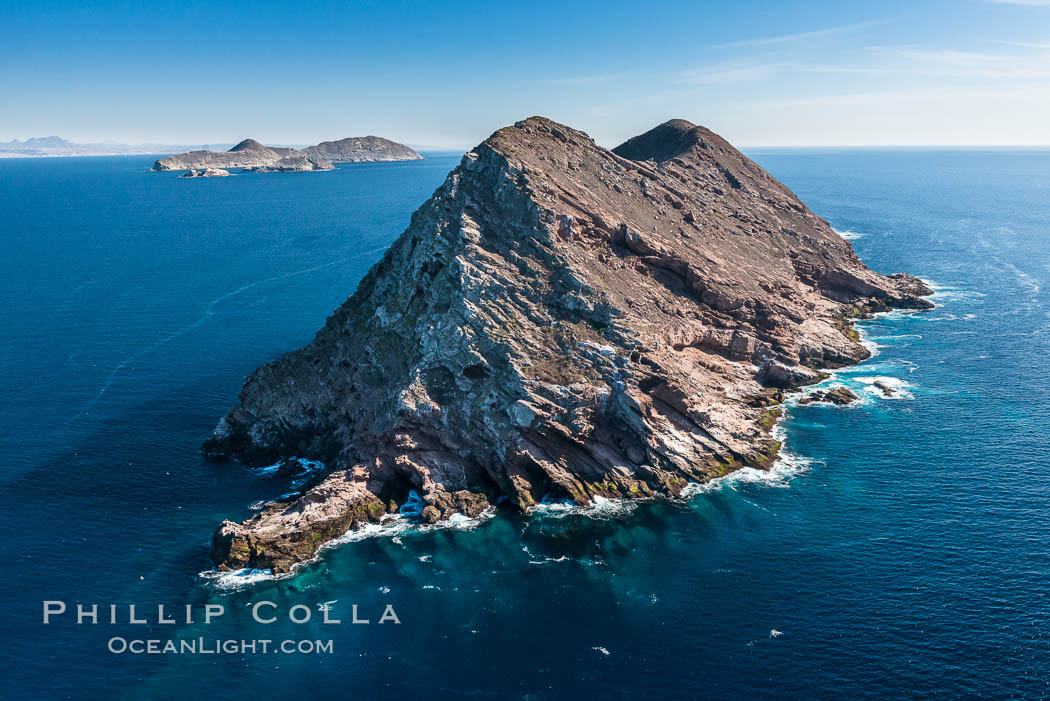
(902, 548)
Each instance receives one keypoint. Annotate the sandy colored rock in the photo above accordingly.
(296, 163)
(206, 173)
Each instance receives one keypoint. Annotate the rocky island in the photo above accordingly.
(251, 155)
(558, 322)
(206, 173)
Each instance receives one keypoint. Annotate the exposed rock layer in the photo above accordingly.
(252, 155)
(558, 321)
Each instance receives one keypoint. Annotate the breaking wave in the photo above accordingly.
(900, 388)
(600, 508)
(785, 468)
(308, 469)
(849, 235)
(237, 580)
(391, 526)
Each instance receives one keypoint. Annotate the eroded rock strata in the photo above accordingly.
(558, 321)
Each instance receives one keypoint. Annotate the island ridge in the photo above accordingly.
(252, 155)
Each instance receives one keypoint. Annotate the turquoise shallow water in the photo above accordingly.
(902, 549)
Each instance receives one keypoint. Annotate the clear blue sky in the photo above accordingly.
(447, 75)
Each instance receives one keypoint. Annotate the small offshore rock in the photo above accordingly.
(839, 395)
(206, 173)
(886, 389)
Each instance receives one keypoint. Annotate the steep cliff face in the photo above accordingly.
(561, 321)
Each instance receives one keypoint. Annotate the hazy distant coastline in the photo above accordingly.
(351, 150)
(56, 146)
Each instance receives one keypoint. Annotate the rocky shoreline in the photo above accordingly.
(559, 321)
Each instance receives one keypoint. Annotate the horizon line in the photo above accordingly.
(449, 149)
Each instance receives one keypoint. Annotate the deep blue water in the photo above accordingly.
(904, 550)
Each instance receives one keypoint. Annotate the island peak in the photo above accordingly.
(248, 145)
(675, 138)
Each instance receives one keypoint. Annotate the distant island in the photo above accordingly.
(248, 154)
(55, 146)
(252, 155)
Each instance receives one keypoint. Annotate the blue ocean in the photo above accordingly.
(901, 548)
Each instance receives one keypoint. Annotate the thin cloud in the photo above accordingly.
(886, 61)
(959, 64)
(1024, 44)
(733, 72)
(799, 36)
(905, 97)
(1032, 3)
(581, 79)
